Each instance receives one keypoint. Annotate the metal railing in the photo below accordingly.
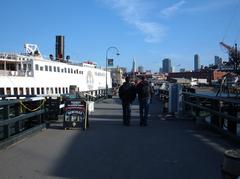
(220, 113)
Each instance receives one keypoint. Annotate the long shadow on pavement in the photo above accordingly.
(163, 150)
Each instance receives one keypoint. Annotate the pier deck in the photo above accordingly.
(168, 148)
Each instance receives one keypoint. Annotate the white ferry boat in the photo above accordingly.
(32, 74)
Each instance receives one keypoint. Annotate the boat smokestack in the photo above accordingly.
(59, 48)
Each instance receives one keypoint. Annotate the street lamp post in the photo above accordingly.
(117, 53)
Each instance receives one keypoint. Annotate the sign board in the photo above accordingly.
(74, 111)
(110, 62)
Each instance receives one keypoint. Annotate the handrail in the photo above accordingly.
(221, 110)
(230, 100)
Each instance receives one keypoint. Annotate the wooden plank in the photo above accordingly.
(230, 100)
(22, 117)
(214, 112)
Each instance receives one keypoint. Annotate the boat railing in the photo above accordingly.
(9, 56)
(22, 73)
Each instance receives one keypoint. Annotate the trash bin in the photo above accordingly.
(75, 113)
(231, 165)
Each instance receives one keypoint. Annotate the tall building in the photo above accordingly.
(166, 65)
(134, 69)
(218, 61)
(140, 69)
(196, 62)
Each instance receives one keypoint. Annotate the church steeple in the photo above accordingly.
(134, 69)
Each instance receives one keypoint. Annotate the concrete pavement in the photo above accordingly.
(168, 148)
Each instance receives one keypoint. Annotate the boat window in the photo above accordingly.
(38, 90)
(11, 66)
(66, 90)
(1, 91)
(36, 67)
(56, 90)
(58, 69)
(68, 70)
(51, 90)
(62, 70)
(15, 91)
(59, 89)
(32, 91)
(47, 91)
(20, 91)
(54, 69)
(29, 67)
(1, 66)
(50, 68)
(27, 91)
(71, 70)
(19, 66)
(65, 70)
(46, 68)
(24, 67)
(63, 90)
(42, 90)
(41, 68)
(8, 91)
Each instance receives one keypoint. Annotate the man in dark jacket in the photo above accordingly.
(145, 92)
(127, 94)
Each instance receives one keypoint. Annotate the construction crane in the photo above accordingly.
(234, 57)
(231, 79)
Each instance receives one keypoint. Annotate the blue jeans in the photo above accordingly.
(144, 109)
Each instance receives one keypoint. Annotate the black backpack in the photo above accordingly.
(145, 91)
(127, 92)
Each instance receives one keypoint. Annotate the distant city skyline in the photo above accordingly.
(147, 30)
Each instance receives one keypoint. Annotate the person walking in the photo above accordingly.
(145, 92)
(127, 95)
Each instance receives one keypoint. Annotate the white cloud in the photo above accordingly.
(133, 12)
(170, 11)
(209, 6)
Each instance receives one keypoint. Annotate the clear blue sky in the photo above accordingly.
(147, 30)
